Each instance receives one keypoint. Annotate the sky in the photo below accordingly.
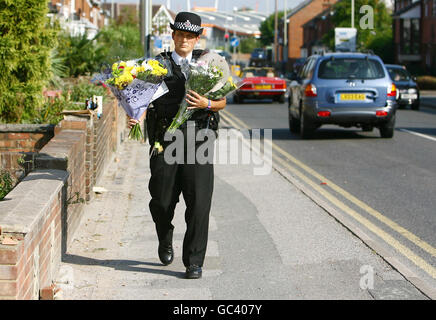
(266, 6)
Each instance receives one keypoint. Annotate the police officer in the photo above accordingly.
(193, 180)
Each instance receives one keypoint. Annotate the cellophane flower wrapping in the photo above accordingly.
(135, 84)
(209, 76)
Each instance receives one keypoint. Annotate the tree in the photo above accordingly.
(249, 44)
(377, 38)
(267, 29)
(121, 41)
(27, 38)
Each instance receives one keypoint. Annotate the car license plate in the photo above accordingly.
(263, 86)
(352, 96)
(409, 96)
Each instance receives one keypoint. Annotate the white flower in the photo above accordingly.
(146, 66)
(130, 63)
(134, 71)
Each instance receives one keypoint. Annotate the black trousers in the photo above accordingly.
(195, 182)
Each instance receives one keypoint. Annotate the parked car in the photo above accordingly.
(407, 88)
(260, 83)
(261, 57)
(345, 89)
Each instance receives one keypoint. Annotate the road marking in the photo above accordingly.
(419, 134)
(393, 225)
(389, 239)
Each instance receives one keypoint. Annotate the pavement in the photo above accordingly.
(428, 98)
(267, 241)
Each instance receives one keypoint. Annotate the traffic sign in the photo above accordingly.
(234, 42)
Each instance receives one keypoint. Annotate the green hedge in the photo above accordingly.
(426, 82)
(25, 44)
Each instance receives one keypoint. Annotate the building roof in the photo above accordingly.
(300, 6)
(405, 9)
(241, 22)
(318, 16)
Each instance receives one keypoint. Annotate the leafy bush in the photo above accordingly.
(6, 183)
(81, 56)
(25, 44)
(73, 96)
(426, 82)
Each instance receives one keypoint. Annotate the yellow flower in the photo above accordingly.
(123, 80)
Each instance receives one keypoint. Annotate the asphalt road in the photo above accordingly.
(384, 186)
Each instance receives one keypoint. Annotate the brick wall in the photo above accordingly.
(21, 141)
(30, 235)
(67, 151)
(41, 214)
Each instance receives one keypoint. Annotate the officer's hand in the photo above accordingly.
(196, 101)
(132, 123)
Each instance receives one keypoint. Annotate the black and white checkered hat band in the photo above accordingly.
(187, 27)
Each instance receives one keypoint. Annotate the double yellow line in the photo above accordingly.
(405, 251)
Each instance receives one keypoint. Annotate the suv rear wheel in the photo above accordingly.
(387, 129)
(306, 127)
(294, 124)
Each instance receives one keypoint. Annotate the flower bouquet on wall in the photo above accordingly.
(209, 76)
(135, 84)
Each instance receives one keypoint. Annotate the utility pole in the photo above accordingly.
(234, 35)
(285, 31)
(352, 13)
(275, 33)
(112, 10)
(146, 25)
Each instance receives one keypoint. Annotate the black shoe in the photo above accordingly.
(193, 272)
(166, 253)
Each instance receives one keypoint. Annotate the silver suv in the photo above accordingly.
(345, 89)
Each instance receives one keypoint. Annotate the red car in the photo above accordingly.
(260, 83)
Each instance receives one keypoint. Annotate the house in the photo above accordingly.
(79, 16)
(296, 18)
(414, 25)
(162, 17)
(314, 30)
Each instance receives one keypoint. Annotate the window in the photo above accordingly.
(410, 36)
(397, 74)
(350, 68)
(307, 70)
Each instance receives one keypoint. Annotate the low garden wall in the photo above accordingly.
(40, 215)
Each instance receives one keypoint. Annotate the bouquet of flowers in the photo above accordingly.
(136, 83)
(210, 77)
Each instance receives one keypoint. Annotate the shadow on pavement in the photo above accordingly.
(325, 134)
(124, 265)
